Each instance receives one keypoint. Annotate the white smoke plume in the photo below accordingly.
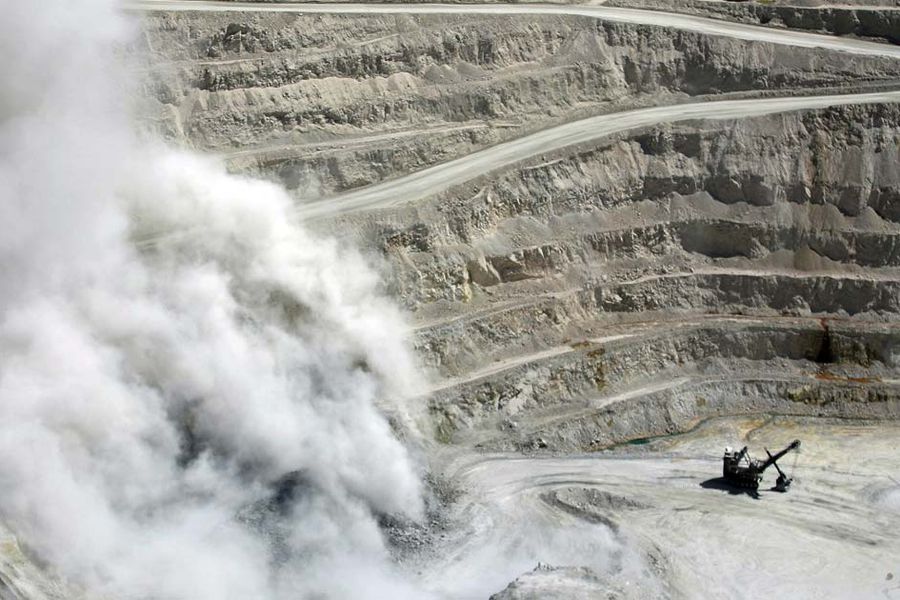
(171, 345)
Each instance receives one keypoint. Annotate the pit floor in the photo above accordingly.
(668, 527)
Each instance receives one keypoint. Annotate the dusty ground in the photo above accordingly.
(653, 520)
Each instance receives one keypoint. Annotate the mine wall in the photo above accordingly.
(320, 102)
(618, 289)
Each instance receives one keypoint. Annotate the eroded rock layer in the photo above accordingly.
(685, 271)
(325, 103)
(618, 289)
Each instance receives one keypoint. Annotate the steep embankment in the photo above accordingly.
(570, 297)
(625, 288)
(327, 102)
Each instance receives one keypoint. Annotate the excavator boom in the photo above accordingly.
(775, 464)
(773, 458)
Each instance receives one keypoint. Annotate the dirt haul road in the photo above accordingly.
(660, 524)
(620, 15)
(441, 177)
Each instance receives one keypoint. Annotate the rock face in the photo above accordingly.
(618, 289)
(325, 103)
(627, 289)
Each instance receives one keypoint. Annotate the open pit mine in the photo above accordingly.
(451, 301)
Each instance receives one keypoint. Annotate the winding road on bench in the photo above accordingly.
(706, 26)
(439, 178)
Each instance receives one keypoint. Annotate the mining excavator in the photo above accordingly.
(740, 470)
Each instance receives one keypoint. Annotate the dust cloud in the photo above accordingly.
(172, 345)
